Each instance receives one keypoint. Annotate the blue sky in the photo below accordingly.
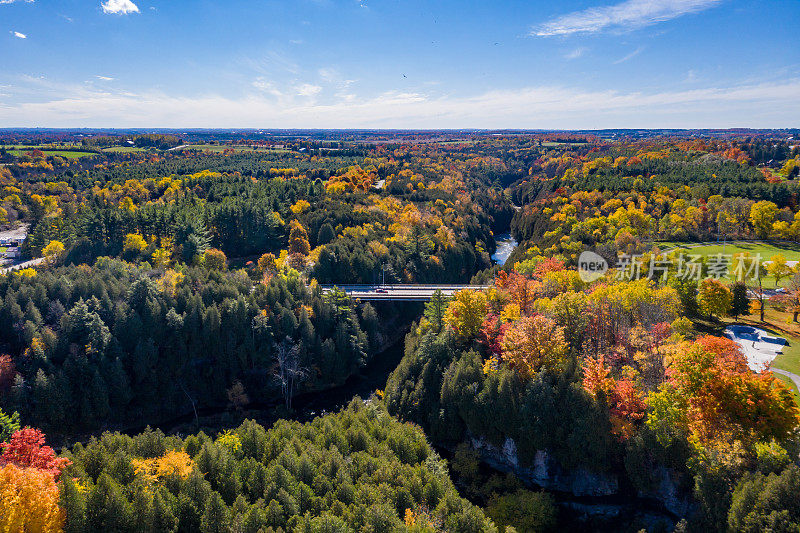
(399, 63)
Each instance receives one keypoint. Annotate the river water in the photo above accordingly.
(505, 245)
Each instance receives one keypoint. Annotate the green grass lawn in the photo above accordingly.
(62, 151)
(790, 358)
(790, 251)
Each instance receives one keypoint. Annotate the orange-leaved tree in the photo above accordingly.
(625, 401)
(723, 397)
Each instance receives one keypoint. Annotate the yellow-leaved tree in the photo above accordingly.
(466, 312)
(29, 501)
(53, 251)
(533, 343)
(134, 243)
(172, 463)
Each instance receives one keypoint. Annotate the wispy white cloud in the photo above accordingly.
(627, 15)
(763, 104)
(104, 78)
(14, 1)
(19, 35)
(268, 87)
(629, 56)
(333, 77)
(119, 7)
(269, 63)
(308, 90)
(575, 54)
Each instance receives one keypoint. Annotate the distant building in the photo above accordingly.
(12, 241)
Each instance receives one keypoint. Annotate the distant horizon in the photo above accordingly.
(389, 129)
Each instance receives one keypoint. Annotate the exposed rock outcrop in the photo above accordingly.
(545, 471)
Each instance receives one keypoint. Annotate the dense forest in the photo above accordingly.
(191, 289)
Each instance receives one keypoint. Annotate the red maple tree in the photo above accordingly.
(26, 449)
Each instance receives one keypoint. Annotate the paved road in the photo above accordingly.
(25, 264)
(794, 377)
(409, 293)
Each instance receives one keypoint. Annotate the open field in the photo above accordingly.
(791, 251)
(789, 360)
(68, 154)
(766, 250)
(66, 151)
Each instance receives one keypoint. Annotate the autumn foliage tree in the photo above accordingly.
(298, 239)
(214, 259)
(26, 448)
(722, 398)
(714, 298)
(53, 252)
(626, 403)
(466, 312)
(521, 290)
(532, 343)
(29, 500)
(267, 265)
(29, 496)
(134, 243)
(7, 371)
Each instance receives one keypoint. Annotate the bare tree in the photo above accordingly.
(192, 401)
(288, 371)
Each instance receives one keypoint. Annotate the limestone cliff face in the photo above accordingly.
(667, 492)
(545, 472)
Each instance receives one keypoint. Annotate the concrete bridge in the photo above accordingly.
(403, 293)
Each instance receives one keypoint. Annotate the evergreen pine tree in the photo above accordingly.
(740, 305)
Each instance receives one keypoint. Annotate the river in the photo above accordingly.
(505, 245)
